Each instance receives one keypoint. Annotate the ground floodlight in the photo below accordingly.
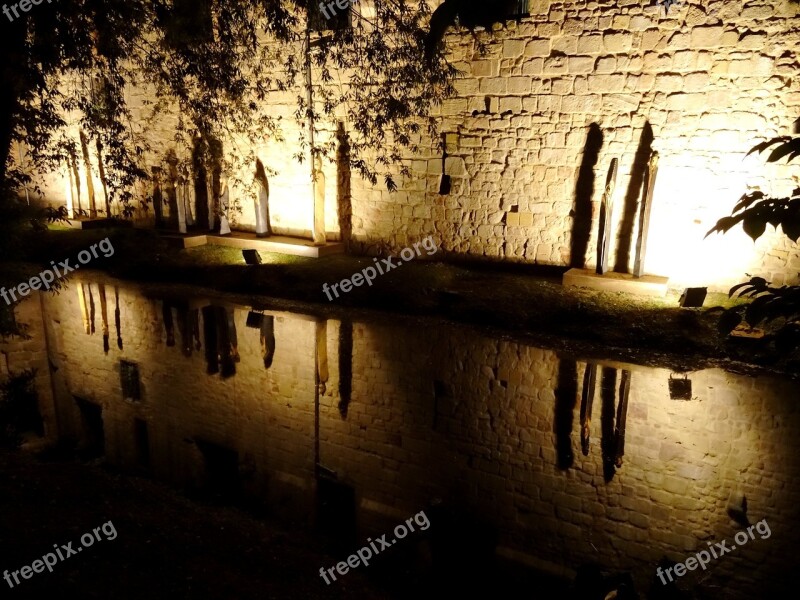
(251, 257)
(254, 319)
(680, 389)
(693, 297)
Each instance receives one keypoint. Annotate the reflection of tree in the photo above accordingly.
(566, 398)
(622, 415)
(345, 365)
(608, 443)
(104, 315)
(587, 396)
(169, 325)
(612, 418)
(117, 321)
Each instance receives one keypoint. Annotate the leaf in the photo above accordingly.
(723, 225)
(747, 199)
(728, 321)
(791, 228)
(754, 225)
(756, 310)
(738, 286)
(793, 145)
(764, 145)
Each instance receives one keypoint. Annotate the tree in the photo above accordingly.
(213, 64)
(776, 307)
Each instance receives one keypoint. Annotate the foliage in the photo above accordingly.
(776, 308)
(212, 66)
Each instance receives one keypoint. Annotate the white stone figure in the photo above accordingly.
(224, 197)
(263, 228)
(318, 230)
(176, 208)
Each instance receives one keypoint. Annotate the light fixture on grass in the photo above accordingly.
(680, 389)
(693, 297)
(251, 257)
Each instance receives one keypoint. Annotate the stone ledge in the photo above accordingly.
(276, 243)
(647, 285)
(97, 223)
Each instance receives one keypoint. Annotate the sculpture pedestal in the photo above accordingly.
(647, 285)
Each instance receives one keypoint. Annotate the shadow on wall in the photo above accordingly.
(584, 188)
(200, 185)
(343, 198)
(638, 169)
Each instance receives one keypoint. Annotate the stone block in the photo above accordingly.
(606, 64)
(707, 37)
(537, 48)
(668, 83)
(568, 44)
(618, 42)
(493, 85)
(606, 83)
(485, 68)
(519, 85)
(590, 44)
(580, 64)
(513, 48)
(510, 104)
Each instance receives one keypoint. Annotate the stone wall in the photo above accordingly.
(20, 353)
(450, 414)
(700, 85)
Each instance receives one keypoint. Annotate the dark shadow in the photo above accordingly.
(172, 192)
(584, 190)
(345, 365)
(587, 398)
(169, 324)
(267, 337)
(221, 483)
(210, 339)
(638, 169)
(158, 197)
(228, 342)
(463, 551)
(343, 197)
(93, 442)
(566, 398)
(214, 171)
(184, 327)
(142, 443)
(117, 318)
(336, 513)
(622, 417)
(91, 309)
(608, 444)
(200, 186)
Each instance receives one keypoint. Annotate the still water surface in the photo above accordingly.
(523, 459)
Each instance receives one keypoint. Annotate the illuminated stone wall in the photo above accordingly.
(445, 413)
(710, 79)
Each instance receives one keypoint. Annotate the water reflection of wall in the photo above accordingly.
(449, 414)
